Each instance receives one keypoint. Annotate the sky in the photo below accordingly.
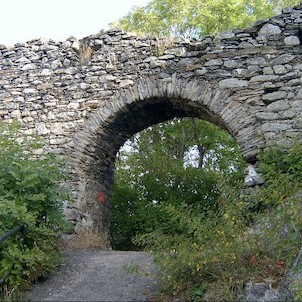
(25, 20)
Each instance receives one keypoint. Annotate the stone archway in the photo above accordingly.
(150, 101)
(247, 81)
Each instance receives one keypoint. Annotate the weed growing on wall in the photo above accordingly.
(30, 195)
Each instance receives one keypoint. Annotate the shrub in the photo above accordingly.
(282, 170)
(30, 195)
(202, 251)
(226, 247)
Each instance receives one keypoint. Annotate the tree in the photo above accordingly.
(197, 18)
(164, 167)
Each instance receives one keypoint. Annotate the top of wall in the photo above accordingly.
(288, 22)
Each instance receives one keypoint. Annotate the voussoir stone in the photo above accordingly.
(232, 83)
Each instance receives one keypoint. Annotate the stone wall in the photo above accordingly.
(85, 98)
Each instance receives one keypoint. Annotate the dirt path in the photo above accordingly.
(97, 276)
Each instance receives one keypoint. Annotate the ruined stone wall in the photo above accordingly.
(85, 98)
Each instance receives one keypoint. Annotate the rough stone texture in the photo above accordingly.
(86, 98)
(269, 30)
(258, 292)
(252, 177)
(291, 285)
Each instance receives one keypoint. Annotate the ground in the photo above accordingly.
(98, 276)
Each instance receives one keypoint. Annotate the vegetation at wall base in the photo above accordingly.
(30, 195)
(212, 254)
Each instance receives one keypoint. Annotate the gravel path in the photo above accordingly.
(97, 276)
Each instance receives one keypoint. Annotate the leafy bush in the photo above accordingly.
(205, 229)
(222, 249)
(30, 195)
(203, 250)
(282, 170)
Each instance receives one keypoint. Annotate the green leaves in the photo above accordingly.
(195, 18)
(30, 195)
(222, 249)
(199, 249)
(282, 170)
(158, 172)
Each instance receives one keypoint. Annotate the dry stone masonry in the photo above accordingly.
(86, 98)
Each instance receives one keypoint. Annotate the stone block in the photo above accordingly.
(279, 69)
(264, 78)
(269, 29)
(278, 106)
(273, 96)
(214, 62)
(267, 116)
(275, 127)
(232, 83)
(282, 59)
(41, 129)
(292, 40)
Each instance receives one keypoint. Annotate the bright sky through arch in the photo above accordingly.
(24, 20)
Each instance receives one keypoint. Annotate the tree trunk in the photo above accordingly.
(201, 150)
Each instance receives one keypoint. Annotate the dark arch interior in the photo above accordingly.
(141, 115)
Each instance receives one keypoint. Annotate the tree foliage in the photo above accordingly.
(165, 166)
(197, 18)
(153, 172)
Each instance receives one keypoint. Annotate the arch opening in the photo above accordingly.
(175, 163)
(136, 109)
(137, 117)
